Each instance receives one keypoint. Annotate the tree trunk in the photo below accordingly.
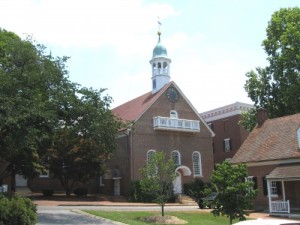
(163, 209)
(230, 218)
(13, 180)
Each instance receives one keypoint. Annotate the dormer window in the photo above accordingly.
(173, 114)
(298, 135)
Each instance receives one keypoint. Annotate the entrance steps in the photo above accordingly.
(186, 200)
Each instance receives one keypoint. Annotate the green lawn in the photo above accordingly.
(133, 218)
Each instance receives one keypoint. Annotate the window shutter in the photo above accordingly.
(255, 182)
(224, 146)
(230, 144)
(265, 187)
(278, 186)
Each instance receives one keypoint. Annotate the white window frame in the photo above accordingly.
(176, 154)
(227, 145)
(150, 154)
(173, 114)
(273, 188)
(197, 164)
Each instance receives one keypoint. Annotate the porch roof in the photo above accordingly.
(285, 172)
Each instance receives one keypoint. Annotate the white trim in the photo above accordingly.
(185, 170)
(236, 108)
(200, 164)
(274, 162)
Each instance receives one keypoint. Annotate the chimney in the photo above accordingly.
(262, 116)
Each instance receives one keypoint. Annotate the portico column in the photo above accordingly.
(269, 195)
(283, 190)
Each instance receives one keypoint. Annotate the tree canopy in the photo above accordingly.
(47, 121)
(277, 86)
(29, 80)
(84, 139)
(235, 191)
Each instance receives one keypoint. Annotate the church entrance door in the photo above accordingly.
(177, 184)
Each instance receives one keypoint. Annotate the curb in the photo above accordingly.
(97, 217)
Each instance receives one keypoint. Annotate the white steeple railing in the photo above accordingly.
(166, 123)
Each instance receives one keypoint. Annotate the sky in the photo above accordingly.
(212, 43)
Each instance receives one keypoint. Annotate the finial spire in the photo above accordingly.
(159, 25)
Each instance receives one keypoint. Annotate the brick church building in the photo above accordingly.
(163, 120)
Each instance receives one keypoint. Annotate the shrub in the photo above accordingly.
(48, 192)
(17, 210)
(137, 195)
(197, 190)
(80, 191)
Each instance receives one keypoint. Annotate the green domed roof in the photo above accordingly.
(159, 50)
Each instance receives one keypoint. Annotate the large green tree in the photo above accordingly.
(29, 80)
(158, 175)
(235, 191)
(277, 86)
(84, 138)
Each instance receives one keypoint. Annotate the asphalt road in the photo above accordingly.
(67, 215)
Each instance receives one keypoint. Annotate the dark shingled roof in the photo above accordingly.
(276, 139)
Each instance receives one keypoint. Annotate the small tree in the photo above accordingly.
(158, 176)
(235, 192)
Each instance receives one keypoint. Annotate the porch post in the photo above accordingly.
(283, 190)
(269, 196)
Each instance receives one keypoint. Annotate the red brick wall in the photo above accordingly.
(261, 200)
(227, 128)
(146, 138)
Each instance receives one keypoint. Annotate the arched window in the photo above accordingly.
(173, 114)
(150, 155)
(154, 68)
(165, 66)
(197, 164)
(151, 171)
(298, 135)
(176, 157)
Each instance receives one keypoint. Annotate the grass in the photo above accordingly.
(133, 218)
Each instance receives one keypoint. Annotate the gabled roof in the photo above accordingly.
(133, 109)
(276, 139)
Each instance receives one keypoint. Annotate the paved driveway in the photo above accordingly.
(67, 217)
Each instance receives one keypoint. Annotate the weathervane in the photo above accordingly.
(159, 25)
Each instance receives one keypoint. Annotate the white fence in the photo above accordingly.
(280, 206)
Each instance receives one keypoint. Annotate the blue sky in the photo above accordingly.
(212, 44)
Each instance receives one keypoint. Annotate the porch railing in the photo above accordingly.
(166, 123)
(280, 206)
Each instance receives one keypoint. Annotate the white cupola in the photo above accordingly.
(160, 64)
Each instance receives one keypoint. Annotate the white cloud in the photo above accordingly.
(88, 23)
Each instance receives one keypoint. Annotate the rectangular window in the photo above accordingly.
(273, 187)
(227, 145)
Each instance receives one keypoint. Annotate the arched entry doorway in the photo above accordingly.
(177, 183)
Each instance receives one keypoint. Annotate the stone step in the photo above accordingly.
(186, 200)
